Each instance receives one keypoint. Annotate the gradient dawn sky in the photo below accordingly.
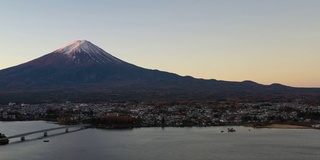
(266, 41)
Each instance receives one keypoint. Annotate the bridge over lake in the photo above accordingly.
(45, 131)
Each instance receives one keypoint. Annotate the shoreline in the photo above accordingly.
(282, 126)
(270, 126)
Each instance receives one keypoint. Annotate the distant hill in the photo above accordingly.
(82, 72)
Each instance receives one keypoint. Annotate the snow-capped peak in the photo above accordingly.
(85, 51)
(79, 45)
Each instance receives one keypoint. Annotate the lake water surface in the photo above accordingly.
(160, 143)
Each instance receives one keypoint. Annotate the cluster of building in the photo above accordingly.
(143, 115)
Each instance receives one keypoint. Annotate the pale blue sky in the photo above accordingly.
(267, 41)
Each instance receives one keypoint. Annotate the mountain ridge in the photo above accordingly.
(81, 67)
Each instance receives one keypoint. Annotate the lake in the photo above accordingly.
(160, 143)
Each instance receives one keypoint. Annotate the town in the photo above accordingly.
(129, 115)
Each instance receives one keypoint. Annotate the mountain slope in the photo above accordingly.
(82, 71)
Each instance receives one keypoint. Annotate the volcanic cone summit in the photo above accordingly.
(84, 51)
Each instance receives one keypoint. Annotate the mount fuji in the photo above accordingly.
(78, 63)
(81, 71)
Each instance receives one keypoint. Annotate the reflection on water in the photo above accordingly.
(161, 143)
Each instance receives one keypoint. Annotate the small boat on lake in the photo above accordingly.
(231, 130)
